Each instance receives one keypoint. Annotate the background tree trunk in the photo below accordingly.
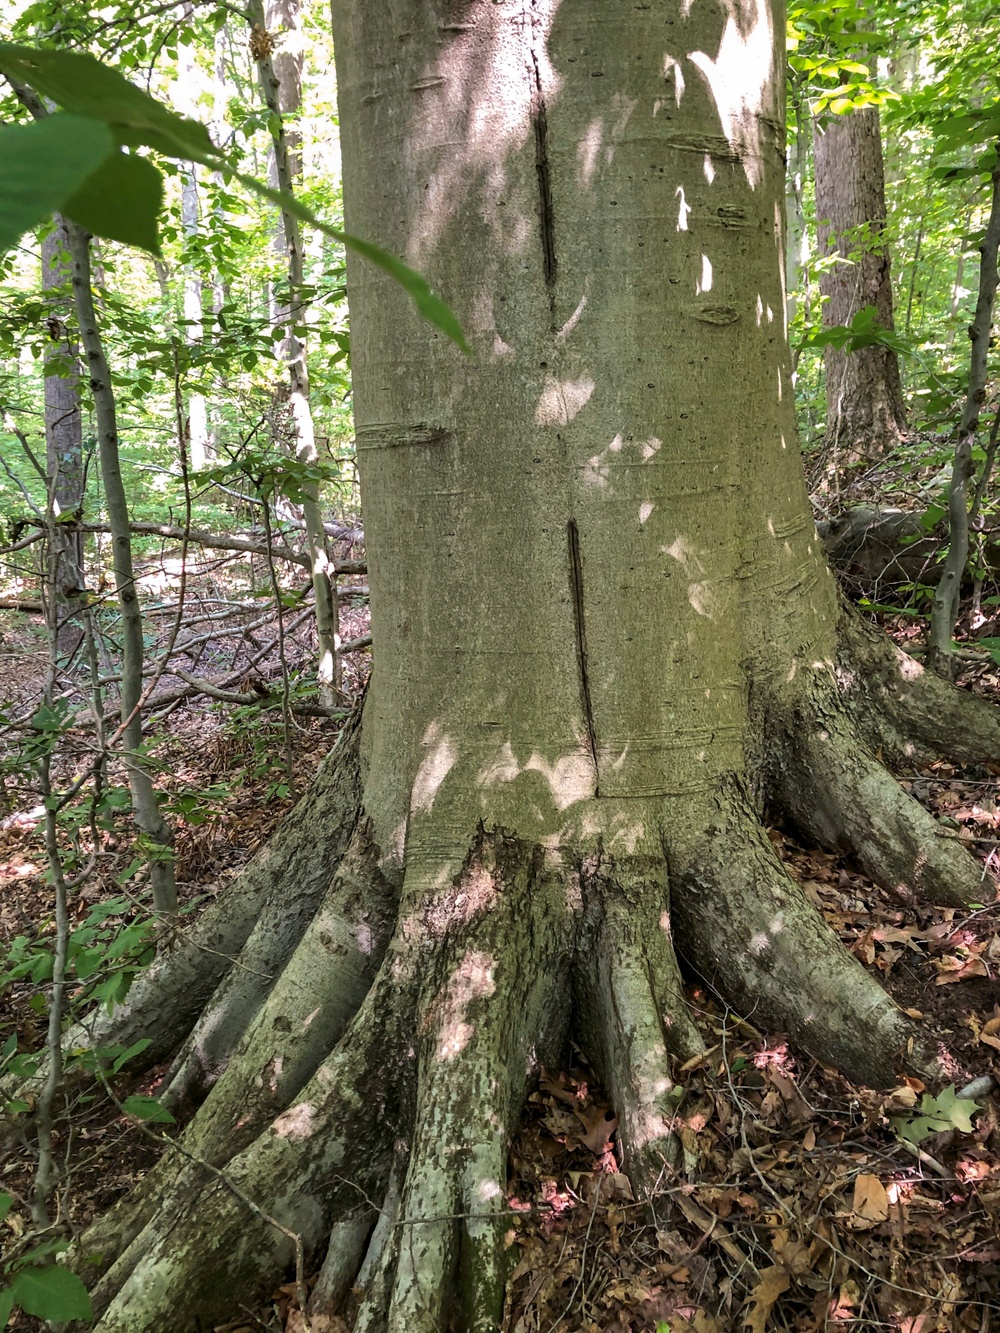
(865, 411)
(63, 447)
(280, 74)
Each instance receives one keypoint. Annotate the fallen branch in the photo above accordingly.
(215, 541)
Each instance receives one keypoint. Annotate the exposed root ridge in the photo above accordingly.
(629, 989)
(214, 1233)
(907, 712)
(842, 797)
(749, 930)
(497, 988)
(305, 1013)
(291, 876)
(301, 1021)
(193, 983)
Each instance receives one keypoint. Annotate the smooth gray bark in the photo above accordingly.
(944, 612)
(280, 77)
(155, 835)
(63, 449)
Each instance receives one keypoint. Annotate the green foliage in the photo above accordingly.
(824, 43)
(45, 164)
(121, 200)
(147, 1109)
(49, 1292)
(85, 87)
(945, 1111)
(105, 953)
(864, 330)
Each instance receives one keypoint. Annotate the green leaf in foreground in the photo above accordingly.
(121, 201)
(147, 1108)
(6, 1203)
(433, 309)
(84, 86)
(51, 1293)
(43, 164)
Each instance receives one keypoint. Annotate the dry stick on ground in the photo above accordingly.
(944, 613)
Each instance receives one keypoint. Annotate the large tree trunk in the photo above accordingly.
(864, 395)
(603, 633)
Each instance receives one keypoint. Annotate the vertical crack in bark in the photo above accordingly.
(546, 221)
(576, 589)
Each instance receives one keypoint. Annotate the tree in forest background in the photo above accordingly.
(865, 411)
(604, 634)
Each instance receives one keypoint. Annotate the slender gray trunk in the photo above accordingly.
(63, 450)
(944, 613)
(280, 76)
(154, 835)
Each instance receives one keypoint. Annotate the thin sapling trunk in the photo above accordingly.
(944, 613)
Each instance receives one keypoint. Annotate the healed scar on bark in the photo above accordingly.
(546, 222)
(576, 591)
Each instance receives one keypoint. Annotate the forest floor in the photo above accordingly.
(808, 1203)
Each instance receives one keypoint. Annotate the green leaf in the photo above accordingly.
(51, 1293)
(135, 1049)
(433, 309)
(936, 1114)
(956, 1111)
(147, 1108)
(85, 87)
(6, 1203)
(121, 201)
(6, 1305)
(87, 962)
(43, 163)
(82, 85)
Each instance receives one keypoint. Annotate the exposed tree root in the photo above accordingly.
(904, 712)
(219, 1233)
(832, 789)
(289, 878)
(239, 945)
(749, 930)
(300, 1022)
(633, 1017)
(392, 1155)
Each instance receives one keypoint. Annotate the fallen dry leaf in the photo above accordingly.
(951, 968)
(773, 1281)
(871, 1203)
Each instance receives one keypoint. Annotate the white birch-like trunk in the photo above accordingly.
(280, 75)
